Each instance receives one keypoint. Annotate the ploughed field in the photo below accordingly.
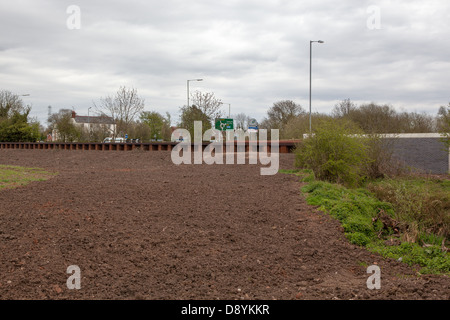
(140, 227)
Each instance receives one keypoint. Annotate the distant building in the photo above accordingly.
(91, 124)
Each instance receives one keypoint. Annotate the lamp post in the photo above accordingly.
(310, 72)
(188, 89)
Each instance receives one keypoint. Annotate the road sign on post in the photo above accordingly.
(252, 125)
(223, 124)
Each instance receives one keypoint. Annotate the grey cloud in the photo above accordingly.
(251, 53)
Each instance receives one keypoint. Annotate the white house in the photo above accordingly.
(90, 123)
(93, 123)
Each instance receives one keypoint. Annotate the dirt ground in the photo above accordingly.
(140, 227)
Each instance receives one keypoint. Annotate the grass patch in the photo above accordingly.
(371, 220)
(14, 176)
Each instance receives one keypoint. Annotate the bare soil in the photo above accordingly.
(140, 227)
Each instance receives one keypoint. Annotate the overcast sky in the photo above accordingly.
(250, 53)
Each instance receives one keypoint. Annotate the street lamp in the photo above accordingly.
(188, 89)
(229, 108)
(310, 72)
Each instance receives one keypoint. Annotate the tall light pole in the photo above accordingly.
(310, 72)
(188, 89)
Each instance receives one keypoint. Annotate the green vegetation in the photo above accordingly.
(337, 152)
(14, 176)
(158, 125)
(421, 204)
(443, 124)
(15, 125)
(404, 219)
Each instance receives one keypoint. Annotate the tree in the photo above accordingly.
(61, 122)
(280, 114)
(344, 109)
(191, 114)
(208, 104)
(443, 124)
(123, 108)
(15, 125)
(17, 128)
(297, 126)
(378, 119)
(414, 122)
(241, 120)
(140, 130)
(158, 124)
(9, 104)
(373, 118)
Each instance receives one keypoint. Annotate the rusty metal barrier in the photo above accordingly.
(285, 146)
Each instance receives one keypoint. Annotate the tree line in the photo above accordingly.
(293, 121)
(126, 109)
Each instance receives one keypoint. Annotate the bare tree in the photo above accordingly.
(123, 108)
(344, 108)
(208, 104)
(241, 120)
(280, 114)
(61, 124)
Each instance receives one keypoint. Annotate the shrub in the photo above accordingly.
(336, 152)
(421, 204)
(358, 238)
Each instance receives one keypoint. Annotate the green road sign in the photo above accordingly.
(224, 124)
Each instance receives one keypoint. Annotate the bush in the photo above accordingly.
(358, 238)
(336, 152)
(17, 128)
(421, 204)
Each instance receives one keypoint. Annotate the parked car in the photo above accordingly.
(116, 140)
